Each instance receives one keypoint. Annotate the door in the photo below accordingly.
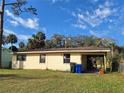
(89, 63)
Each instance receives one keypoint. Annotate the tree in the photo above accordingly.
(17, 8)
(78, 41)
(31, 44)
(22, 46)
(68, 42)
(13, 48)
(40, 40)
(37, 41)
(89, 41)
(3, 40)
(48, 44)
(11, 38)
(58, 40)
(98, 42)
(110, 43)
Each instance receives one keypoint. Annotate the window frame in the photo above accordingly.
(21, 57)
(42, 58)
(66, 58)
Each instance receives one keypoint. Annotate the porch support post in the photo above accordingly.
(105, 62)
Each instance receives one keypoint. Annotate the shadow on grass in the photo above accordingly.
(14, 76)
(21, 77)
(7, 75)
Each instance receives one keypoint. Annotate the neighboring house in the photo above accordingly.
(60, 59)
(6, 58)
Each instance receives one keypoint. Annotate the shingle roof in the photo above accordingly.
(79, 48)
(62, 50)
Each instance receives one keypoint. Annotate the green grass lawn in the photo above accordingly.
(39, 81)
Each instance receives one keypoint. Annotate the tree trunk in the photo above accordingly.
(1, 29)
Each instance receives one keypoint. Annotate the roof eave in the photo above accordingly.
(63, 51)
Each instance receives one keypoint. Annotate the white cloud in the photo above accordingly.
(95, 0)
(95, 17)
(7, 32)
(122, 30)
(19, 36)
(103, 33)
(81, 26)
(13, 22)
(9, 13)
(31, 23)
(44, 29)
(80, 16)
(103, 13)
(93, 33)
(23, 37)
(55, 1)
(108, 3)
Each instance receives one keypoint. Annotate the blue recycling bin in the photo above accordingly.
(78, 68)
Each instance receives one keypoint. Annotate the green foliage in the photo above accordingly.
(11, 38)
(48, 44)
(40, 36)
(13, 48)
(37, 41)
(22, 46)
(4, 40)
(57, 40)
(61, 41)
(18, 7)
(68, 42)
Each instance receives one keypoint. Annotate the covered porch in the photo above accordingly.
(90, 62)
(93, 62)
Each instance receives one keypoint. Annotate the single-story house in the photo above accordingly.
(60, 58)
(6, 58)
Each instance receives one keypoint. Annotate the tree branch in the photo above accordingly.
(10, 3)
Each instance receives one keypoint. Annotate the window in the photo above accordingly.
(21, 57)
(66, 58)
(42, 58)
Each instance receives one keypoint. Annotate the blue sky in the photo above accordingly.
(102, 18)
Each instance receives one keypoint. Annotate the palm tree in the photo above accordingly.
(11, 38)
(37, 41)
(31, 44)
(21, 45)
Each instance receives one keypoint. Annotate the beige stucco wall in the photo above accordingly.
(32, 62)
(14, 62)
(75, 58)
(54, 61)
